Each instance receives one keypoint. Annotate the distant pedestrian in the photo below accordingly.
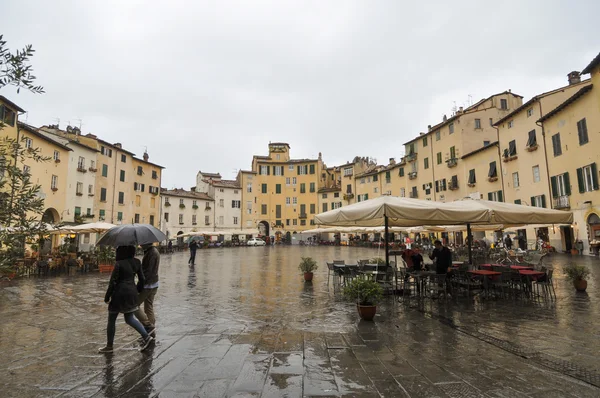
(170, 247)
(193, 247)
(150, 264)
(508, 242)
(121, 296)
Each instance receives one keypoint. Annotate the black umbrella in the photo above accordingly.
(131, 235)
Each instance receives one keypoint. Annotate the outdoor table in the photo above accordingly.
(531, 273)
(515, 267)
(521, 267)
(420, 278)
(486, 276)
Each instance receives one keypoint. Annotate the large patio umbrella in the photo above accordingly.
(97, 227)
(131, 235)
(395, 211)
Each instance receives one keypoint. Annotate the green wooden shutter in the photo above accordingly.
(517, 201)
(532, 200)
(298, 170)
(580, 180)
(490, 196)
(554, 187)
(366, 196)
(544, 201)
(312, 169)
(567, 182)
(500, 197)
(401, 171)
(594, 176)
(282, 170)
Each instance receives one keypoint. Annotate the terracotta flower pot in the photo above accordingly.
(574, 251)
(106, 268)
(580, 285)
(308, 276)
(366, 312)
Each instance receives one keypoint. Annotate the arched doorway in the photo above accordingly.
(263, 228)
(51, 216)
(179, 238)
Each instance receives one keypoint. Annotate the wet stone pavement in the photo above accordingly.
(242, 323)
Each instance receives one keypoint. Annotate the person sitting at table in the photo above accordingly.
(417, 261)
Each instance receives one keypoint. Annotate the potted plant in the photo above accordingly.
(377, 261)
(106, 258)
(578, 273)
(366, 293)
(308, 265)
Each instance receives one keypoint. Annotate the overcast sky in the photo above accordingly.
(206, 85)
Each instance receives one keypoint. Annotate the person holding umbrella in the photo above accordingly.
(193, 247)
(122, 295)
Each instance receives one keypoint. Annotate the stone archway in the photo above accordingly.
(179, 238)
(263, 228)
(51, 216)
(593, 227)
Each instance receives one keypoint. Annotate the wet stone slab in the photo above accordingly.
(242, 323)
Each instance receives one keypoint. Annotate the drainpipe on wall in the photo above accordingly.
(500, 161)
(546, 158)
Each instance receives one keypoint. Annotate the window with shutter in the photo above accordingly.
(531, 140)
(312, 169)
(582, 132)
(553, 185)
(517, 201)
(512, 148)
(401, 172)
(580, 182)
(492, 173)
(500, 196)
(472, 179)
(556, 145)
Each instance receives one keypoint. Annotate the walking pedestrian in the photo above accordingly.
(170, 247)
(508, 242)
(121, 296)
(150, 264)
(193, 247)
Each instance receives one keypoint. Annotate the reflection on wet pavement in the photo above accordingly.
(243, 323)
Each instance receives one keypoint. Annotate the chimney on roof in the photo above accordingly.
(460, 109)
(118, 145)
(392, 161)
(146, 157)
(574, 77)
(445, 118)
(429, 127)
(193, 189)
(90, 135)
(320, 156)
(421, 133)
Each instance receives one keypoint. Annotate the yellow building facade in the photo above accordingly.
(571, 132)
(284, 192)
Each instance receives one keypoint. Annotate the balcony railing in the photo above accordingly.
(348, 196)
(81, 169)
(412, 175)
(413, 195)
(453, 186)
(451, 162)
(302, 215)
(411, 157)
(562, 202)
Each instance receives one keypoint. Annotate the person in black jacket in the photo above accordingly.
(193, 247)
(150, 264)
(122, 296)
(443, 257)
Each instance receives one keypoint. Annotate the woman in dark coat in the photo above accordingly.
(122, 294)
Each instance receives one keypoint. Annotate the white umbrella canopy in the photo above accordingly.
(405, 212)
(91, 227)
(510, 214)
(401, 212)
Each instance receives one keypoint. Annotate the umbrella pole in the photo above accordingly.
(469, 243)
(387, 254)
